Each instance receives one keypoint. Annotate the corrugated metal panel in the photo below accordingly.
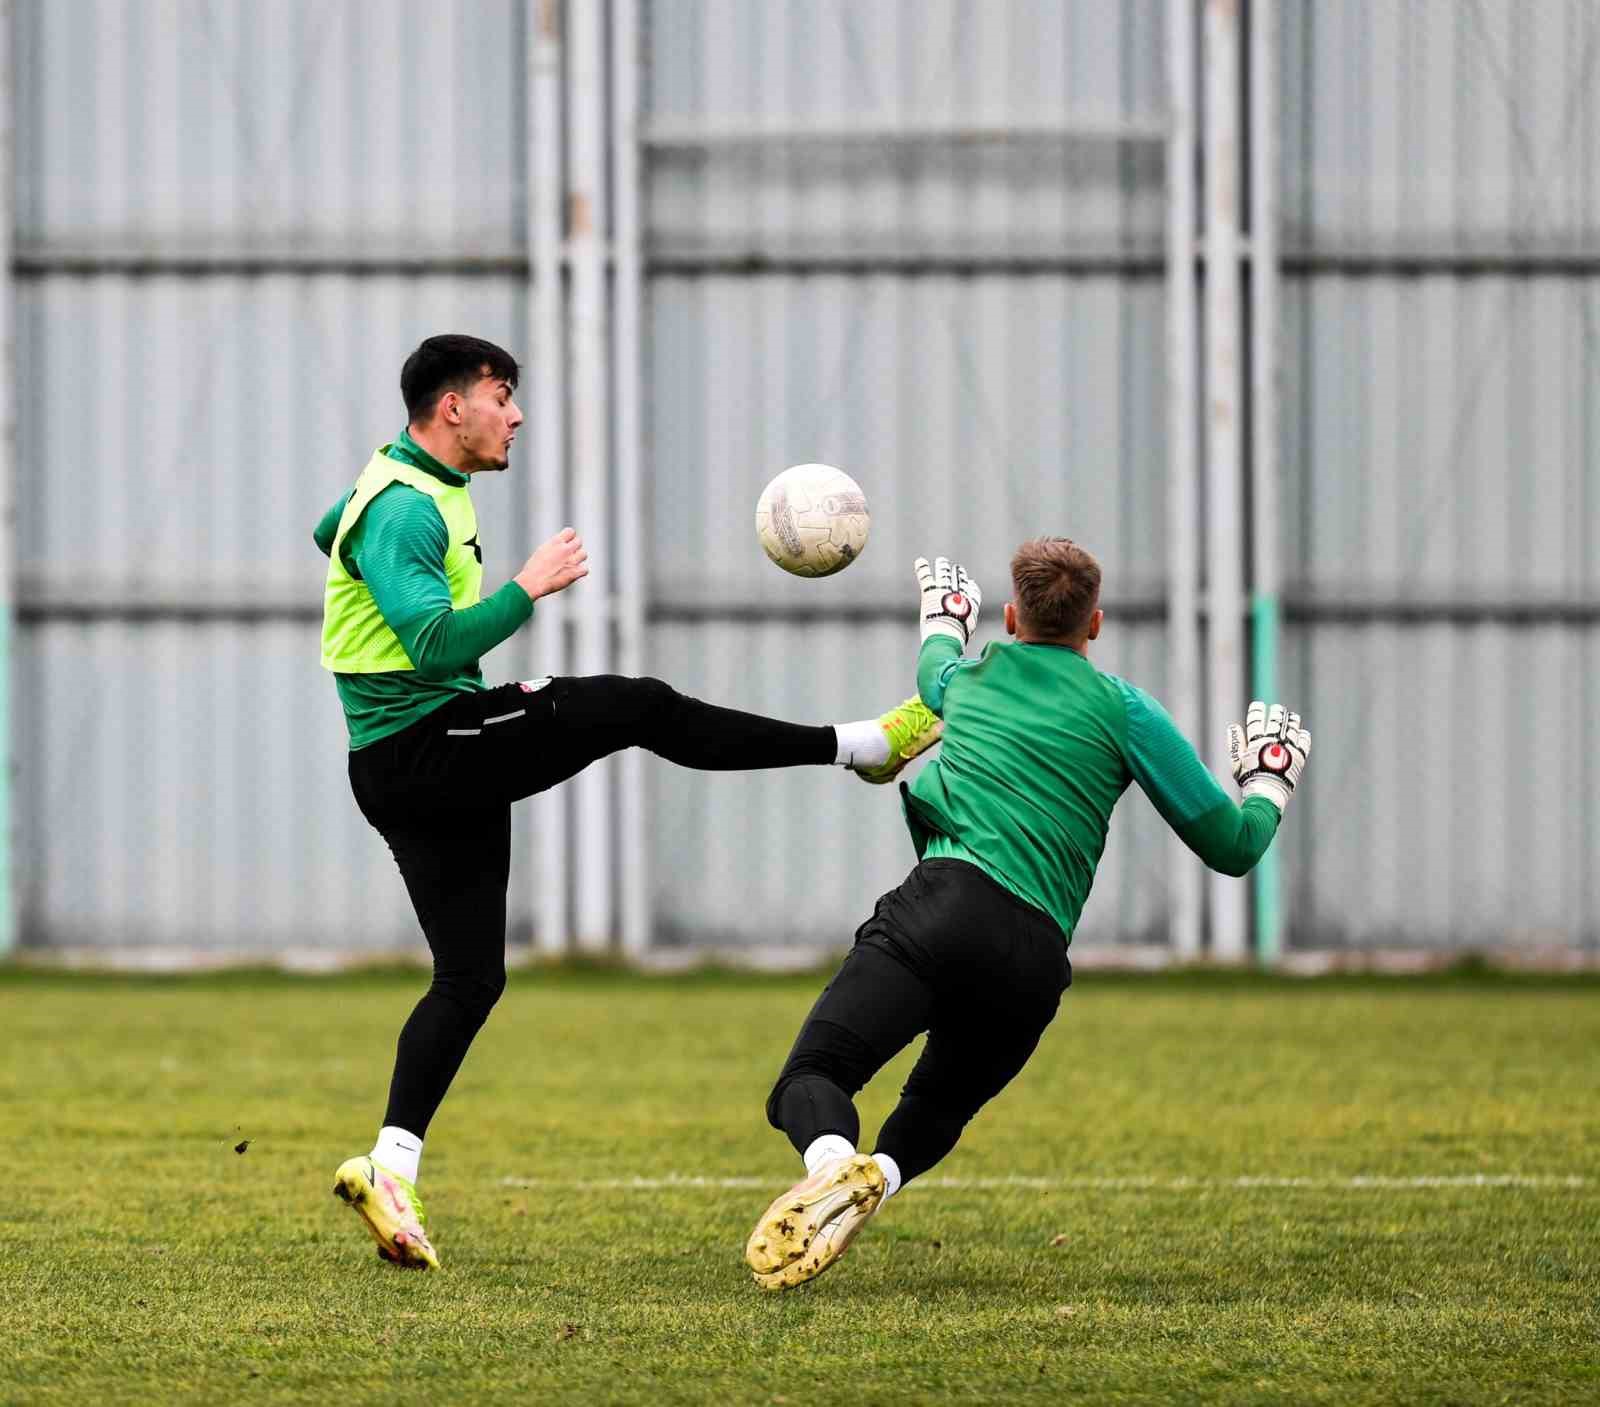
(189, 432)
(726, 66)
(1451, 801)
(186, 786)
(798, 856)
(1440, 439)
(191, 126)
(1441, 461)
(184, 783)
(1440, 124)
(975, 413)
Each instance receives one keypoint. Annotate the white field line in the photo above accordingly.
(673, 1181)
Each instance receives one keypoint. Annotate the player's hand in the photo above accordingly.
(554, 566)
(1268, 752)
(950, 599)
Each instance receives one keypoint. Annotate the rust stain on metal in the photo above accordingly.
(579, 218)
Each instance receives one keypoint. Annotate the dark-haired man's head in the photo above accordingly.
(458, 395)
(1055, 593)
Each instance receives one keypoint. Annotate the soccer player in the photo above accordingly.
(437, 758)
(1009, 823)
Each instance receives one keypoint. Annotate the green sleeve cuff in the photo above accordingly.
(1232, 839)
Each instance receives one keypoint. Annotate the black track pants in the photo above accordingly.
(440, 793)
(951, 953)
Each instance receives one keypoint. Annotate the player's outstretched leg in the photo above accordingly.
(524, 739)
(391, 1209)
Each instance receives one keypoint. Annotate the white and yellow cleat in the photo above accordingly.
(808, 1228)
(911, 728)
(391, 1209)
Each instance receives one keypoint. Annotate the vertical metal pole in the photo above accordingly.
(1183, 523)
(549, 403)
(633, 860)
(1264, 422)
(586, 234)
(8, 438)
(1224, 499)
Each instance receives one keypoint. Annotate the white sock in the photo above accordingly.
(398, 1151)
(825, 1148)
(862, 744)
(891, 1174)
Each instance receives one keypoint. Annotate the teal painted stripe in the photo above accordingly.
(1264, 619)
(8, 917)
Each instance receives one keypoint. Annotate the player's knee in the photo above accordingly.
(474, 992)
(827, 1052)
(653, 701)
(775, 1101)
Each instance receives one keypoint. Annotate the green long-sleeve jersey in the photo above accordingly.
(1038, 747)
(398, 548)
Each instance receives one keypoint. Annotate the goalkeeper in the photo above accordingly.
(437, 758)
(1009, 823)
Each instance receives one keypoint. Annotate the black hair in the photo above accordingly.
(452, 362)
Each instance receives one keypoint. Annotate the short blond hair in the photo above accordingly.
(1057, 586)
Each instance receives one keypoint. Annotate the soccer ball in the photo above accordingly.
(812, 520)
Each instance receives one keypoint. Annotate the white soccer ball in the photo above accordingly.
(812, 520)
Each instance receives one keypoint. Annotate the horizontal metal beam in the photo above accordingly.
(755, 260)
(735, 612)
(1462, 263)
(693, 134)
(152, 261)
(34, 609)
(1133, 263)
(1427, 611)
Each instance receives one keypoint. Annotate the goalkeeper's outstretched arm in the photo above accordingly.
(1268, 754)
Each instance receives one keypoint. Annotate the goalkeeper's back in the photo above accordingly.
(1039, 745)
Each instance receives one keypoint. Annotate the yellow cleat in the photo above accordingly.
(911, 728)
(808, 1228)
(391, 1209)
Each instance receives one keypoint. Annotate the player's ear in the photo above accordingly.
(1095, 622)
(1011, 618)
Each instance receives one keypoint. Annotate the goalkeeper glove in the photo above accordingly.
(950, 599)
(1269, 752)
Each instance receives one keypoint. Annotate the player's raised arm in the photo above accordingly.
(402, 561)
(949, 602)
(1268, 754)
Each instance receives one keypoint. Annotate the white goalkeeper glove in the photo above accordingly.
(950, 599)
(1269, 752)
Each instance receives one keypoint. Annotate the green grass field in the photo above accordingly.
(144, 1259)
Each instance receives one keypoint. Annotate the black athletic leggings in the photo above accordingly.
(440, 793)
(951, 953)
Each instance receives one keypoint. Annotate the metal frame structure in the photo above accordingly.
(548, 404)
(1186, 922)
(1265, 581)
(8, 460)
(586, 258)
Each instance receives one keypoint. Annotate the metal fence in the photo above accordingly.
(1287, 310)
